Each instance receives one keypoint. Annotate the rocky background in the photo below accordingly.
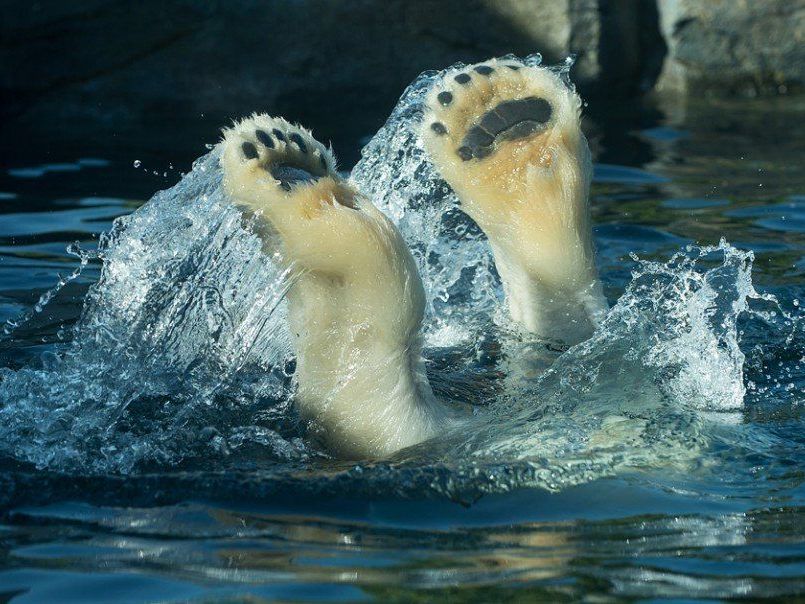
(149, 69)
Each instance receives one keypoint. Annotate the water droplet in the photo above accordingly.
(137, 163)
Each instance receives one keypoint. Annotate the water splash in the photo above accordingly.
(631, 396)
(84, 256)
(180, 348)
(182, 353)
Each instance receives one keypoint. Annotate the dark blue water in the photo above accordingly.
(125, 479)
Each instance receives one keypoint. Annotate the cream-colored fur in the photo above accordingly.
(530, 196)
(356, 301)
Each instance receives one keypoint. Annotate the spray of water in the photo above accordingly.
(182, 352)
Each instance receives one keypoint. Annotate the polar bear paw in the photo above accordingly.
(274, 153)
(478, 109)
(355, 301)
(506, 137)
(287, 178)
(280, 170)
(493, 121)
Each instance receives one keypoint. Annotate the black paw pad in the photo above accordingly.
(278, 133)
(444, 98)
(299, 142)
(264, 138)
(463, 78)
(249, 150)
(438, 128)
(290, 176)
(510, 121)
(484, 69)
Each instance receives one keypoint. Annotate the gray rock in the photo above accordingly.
(119, 67)
(729, 47)
(115, 63)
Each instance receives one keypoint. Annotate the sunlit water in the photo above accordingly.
(149, 449)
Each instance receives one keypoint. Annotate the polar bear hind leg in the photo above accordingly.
(355, 303)
(506, 137)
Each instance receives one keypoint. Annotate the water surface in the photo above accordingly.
(153, 454)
